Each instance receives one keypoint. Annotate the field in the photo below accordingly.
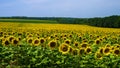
(58, 46)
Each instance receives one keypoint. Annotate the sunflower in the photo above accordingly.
(52, 44)
(112, 47)
(10, 38)
(57, 38)
(106, 50)
(98, 55)
(75, 52)
(76, 44)
(70, 35)
(20, 38)
(5, 42)
(42, 40)
(30, 40)
(36, 42)
(81, 51)
(3, 39)
(71, 49)
(1, 33)
(116, 52)
(88, 50)
(64, 38)
(84, 45)
(101, 50)
(55, 35)
(107, 45)
(84, 40)
(80, 37)
(30, 35)
(117, 46)
(101, 39)
(67, 41)
(98, 41)
(15, 41)
(64, 48)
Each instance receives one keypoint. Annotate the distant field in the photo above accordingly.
(27, 21)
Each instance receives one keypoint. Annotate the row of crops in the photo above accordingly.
(23, 45)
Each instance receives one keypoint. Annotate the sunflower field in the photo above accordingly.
(24, 45)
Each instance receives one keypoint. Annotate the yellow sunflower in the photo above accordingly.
(30, 40)
(64, 48)
(106, 50)
(15, 41)
(98, 55)
(5, 42)
(116, 52)
(88, 50)
(36, 42)
(75, 52)
(67, 41)
(52, 44)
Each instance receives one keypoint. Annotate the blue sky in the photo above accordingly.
(60, 8)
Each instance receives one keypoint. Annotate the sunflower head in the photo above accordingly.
(98, 41)
(5, 42)
(67, 41)
(82, 51)
(70, 35)
(52, 44)
(117, 46)
(10, 38)
(107, 45)
(88, 50)
(64, 48)
(84, 45)
(15, 41)
(116, 52)
(30, 40)
(106, 50)
(101, 50)
(42, 40)
(36, 42)
(30, 35)
(75, 52)
(98, 55)
(76, 44)
(71, 49)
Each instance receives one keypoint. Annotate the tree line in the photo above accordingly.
(109, 21)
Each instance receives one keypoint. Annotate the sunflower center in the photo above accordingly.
(82, 51)
(88, 50)
(76, 44)
(6, 43)
(116, 51)
(74, 52)
(101, 51)
(99, 56)
(36, 42)
(42, 41)
(65, 48)
(30, 41)
(11, 39)
(15, 41)
(107, 50)
(52, 44)
(67, 42)
(84, 45)
(98, 41)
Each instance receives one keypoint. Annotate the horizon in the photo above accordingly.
(68, 8)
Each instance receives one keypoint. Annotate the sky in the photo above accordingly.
(60, 8)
